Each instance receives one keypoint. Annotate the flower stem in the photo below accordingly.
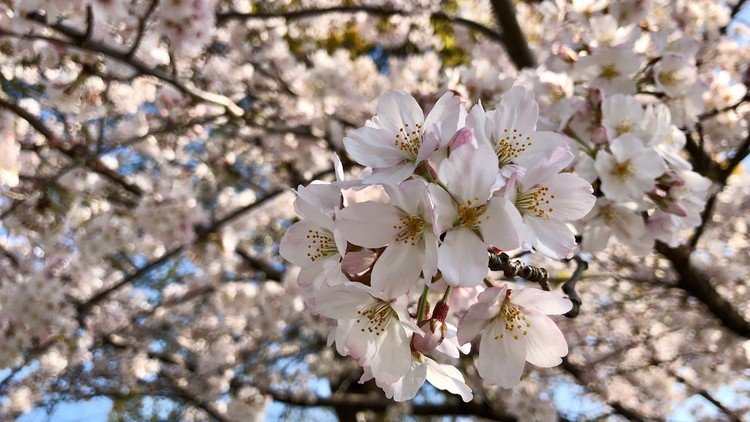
(422, 306)
(447, 293)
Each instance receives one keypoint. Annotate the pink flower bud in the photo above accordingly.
(431, 339)
(463, 136)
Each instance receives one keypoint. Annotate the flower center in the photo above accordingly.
(625, 126)
(610, 72)
(409, 140)
(321, 245)
(410, 229)
(622, 170)
(668, 78)
(536, 201)
(513, 318)
(510, 145)
(375, 317)
(469, 215)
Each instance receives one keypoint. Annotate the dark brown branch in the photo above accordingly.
(698, 285)
(359, 402)
(142, 28)
(515, 268)
(706, 395)
(717, 111)
(370, 10)
(79, 41)
(579, 374)
(75, 154)
(513, 37)
(569, 288)
(260, 265)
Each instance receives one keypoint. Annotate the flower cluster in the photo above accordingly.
(457, 183)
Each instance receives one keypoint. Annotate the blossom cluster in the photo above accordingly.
(457, 183)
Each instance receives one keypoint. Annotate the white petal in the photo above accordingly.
(475, 320)
(369, 224)
(393, 357)
(445, 212)
(502, 227)
(373, 147)
(462, 258)
(545, 343)
(448, 378)
(552, 238)
(397, 109)
(398, 268)
(541, 143)
(501, 359)
(343, 301)
(573, 197)
(408, 195)
(469, 173)
(408, 386)
(548, 303)
(391, 175)
(448, 114)
(429, 269)
(517, 110)
(299, 247)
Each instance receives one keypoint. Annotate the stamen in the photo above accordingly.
(469, 215)
(377, 315)
(321, 245)
(536, 201)
(409, 140)
(410, 229)
(510, 145)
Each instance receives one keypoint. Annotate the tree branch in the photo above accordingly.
(79, 41)
(513, 37)
(695, 282)
(370, 10)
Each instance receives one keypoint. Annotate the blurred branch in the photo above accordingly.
(578, 373)
(361, 402)
(731, 415)
(698, 285)
(76, 154)
(142, 28)
(513, 38)
(370, 10)
(79, 40)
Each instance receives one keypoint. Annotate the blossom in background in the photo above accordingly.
(629, 170)
(515, 329)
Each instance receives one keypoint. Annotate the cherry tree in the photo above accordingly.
(247, 210)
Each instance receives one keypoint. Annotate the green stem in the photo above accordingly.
(447, 293)
(422, 306)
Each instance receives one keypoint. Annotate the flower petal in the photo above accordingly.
(469, 173)
(545, 343)
(369, 224)
(301, 243)
(504, 226)
(547, 303)
(373, 147)
(397, 269)
(448, 378)
(501, 359)
(462, 258)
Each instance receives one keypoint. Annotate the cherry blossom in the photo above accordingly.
(515, 329)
